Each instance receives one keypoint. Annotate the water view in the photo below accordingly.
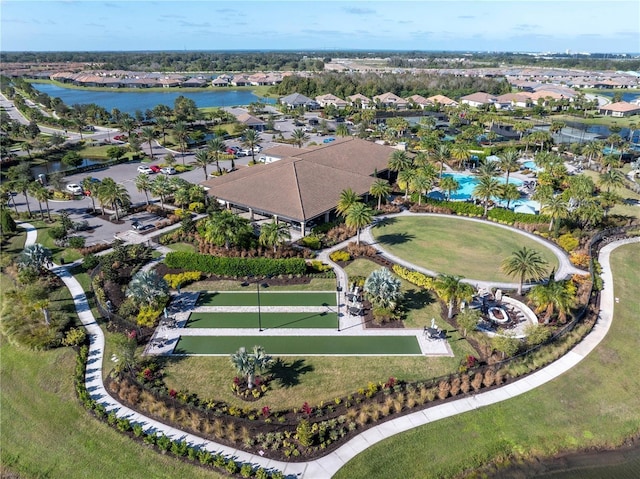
(129, 102)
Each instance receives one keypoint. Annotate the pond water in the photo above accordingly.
(53, 166)
(129, 102)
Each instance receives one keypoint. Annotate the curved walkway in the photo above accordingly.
(328, 465)
(564, 270)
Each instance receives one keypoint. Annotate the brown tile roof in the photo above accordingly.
(306, 185)
(621, 106)
(443, 100)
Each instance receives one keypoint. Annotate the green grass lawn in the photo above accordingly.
(624, 208)
(268, 320)
(455, 246)
(188, 247)
(316, 284)
(47, 434)
(267, 298)
(300, 345)
(593, 405)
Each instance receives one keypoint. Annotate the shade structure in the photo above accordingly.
(524, 209)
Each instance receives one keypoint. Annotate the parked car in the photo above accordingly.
(74, 189)
(168, 170)
(144, 169)
(245, 152)
(328, 140)
(136, 225)
(155, 168)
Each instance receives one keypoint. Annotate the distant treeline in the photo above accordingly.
(402, 84)
(245, 61)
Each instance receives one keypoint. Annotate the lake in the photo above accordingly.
(129, 102)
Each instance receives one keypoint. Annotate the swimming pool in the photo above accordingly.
(468, 183)
(531, 165)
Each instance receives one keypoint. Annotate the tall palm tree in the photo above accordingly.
(342, 130)
(358, 216)
(442, 153)
(449, 184)
(163, 123)
(380, 189)
(508, 192)
(524, 264)
(181, 133)
(43, 195)
(114, 194)
(34, 187)
(273, 234)
(127, 125)
(459, 153)
(299, 137)
(611, 179)
(143, 184)
(556, 208)
(215, 146)
(452, 290)
(487, 187)
(509, 162)
(399, 161)
(148, 134)
(181, 196)
(405, 178)
(248, 363)
(421, 183)
(202, 159)
(250, 139)
(593, 150)
(22, 185)
(161, 186)
(347, 199)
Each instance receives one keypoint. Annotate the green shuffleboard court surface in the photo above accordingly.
(267, 298)
(268, 320)
(301, 345)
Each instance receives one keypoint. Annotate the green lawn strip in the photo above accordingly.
(316, 284)
(455, 246)
(46, 433)
(250, 298)
(268, 320)
(593, 405)
(626, 208)
(58, 253)
(13, 244)
(274, 345)
(188, 247)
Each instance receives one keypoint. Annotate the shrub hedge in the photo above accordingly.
(236, 267)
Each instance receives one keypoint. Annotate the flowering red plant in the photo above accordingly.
(390, 383)
(266, 411)
(147, 374)
(173, 393)
(306, 408)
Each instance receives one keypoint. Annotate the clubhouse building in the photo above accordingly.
(302, 186)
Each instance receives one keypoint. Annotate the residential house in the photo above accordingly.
(442, 100)
(391, 100)
(619, 109)
(419, 101)
(251, 121)
(360, 101)
(194, 82)
(329, 99)
(478, 100)
(513, 100)
(296, 99)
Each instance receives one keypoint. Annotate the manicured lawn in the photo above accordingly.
(455, 246)
(188, 247)
(268, 320)
(250, 298)
(301, 345)
(47, 434)
(595, 404)
(628, 206)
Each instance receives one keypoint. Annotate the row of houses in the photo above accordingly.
(386, 100)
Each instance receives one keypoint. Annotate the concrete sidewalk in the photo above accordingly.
(328, 465)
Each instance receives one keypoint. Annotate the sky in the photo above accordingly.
(479, 25)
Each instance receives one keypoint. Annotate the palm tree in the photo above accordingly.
(509, 162)
(421, 183)
(181, 134)
(380, 189)
(485, 189)
(22, 184)
(226, 228)
(553, 296)
(557, 208)
(593, 150)
(383, 289)
(92, 187)
(452, 290)
(405, 178)
(215, 146)
(611, 179)
(299, 137)
(143, 183)
(358, 216)
(460, 153)
(147, 287)
(250, 139)
(162, 123)
(273, 234)
(127, 125)
(248, 363)
(161, 186)
(508, 192)
(525, 265)
(399, 161)
(347, 199)
(33, 188)
(342, 130)
(442, 154)
(148, 134)
(181, 197)
(449, 184)
(42, 194)
(114, 194)
(202, 159)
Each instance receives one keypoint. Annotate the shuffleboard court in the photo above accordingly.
(268, 320)
(301, 345)
(267, 298)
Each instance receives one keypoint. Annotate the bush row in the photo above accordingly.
(182, 279)
(414, 277)
(162, 442)
(236, 267)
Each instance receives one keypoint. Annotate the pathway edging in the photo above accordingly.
(328, 465)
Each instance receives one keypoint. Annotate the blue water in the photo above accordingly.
(468, 183)
(129, 102)
(531, 165)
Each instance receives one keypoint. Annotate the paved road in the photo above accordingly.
(328, 465)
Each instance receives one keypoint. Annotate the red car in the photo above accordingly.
(155, 168)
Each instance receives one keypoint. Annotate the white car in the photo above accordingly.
(144, 169)
(168, 170)
(75, 189)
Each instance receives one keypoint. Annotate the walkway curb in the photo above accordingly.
(328, 465)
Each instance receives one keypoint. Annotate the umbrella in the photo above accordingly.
(524, 209)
